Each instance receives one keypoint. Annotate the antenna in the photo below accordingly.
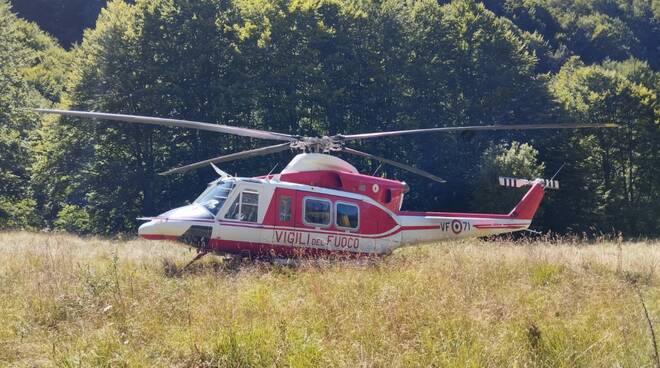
(561, 167)
(271, 170)
(378, 168)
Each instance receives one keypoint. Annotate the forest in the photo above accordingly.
(319, 67)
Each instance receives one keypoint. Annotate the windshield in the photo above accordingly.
(215, 196)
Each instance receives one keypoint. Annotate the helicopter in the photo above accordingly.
(319, 204)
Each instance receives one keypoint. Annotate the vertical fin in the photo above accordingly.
(528, 205)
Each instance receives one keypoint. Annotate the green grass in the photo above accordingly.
(68, 301)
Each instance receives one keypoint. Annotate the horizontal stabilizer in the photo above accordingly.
(519, 183)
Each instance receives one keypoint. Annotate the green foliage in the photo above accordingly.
(621, 166)
(73, 219)
(327, 67)
(636, 71)
(15, 93)
(593, 30)
(19, 214)
(597, 36)
(24, 54)
(514, 160)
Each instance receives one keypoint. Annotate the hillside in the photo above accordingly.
(71, 301)
(321, 68)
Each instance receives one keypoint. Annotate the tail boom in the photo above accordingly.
(420, 227)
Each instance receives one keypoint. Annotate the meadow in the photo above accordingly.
(68, 301)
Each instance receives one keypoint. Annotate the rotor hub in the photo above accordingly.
(323, 144)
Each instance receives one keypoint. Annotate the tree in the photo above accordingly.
(515, 160)
(636, 71)
(597, 36)
(470, 68)
(333, 66)
(620, 166)
(25, 55)
(593, 30)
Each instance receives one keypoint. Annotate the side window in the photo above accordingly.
(317, 211)
(249, 206)
(245, 207)
(348, 215)
(284, 208)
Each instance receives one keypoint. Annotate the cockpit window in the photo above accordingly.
(215, 196)
(245, 207)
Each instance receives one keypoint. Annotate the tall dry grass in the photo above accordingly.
(70, 301)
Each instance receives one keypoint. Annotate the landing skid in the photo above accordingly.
(197, 257)
(234, 261)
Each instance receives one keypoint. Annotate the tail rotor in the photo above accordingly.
(519, 183)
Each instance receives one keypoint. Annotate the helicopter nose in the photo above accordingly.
(152, 230)
(158, 229)
(174, 223)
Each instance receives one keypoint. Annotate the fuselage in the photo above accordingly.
(285, 216)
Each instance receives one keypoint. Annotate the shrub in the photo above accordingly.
(72, 218)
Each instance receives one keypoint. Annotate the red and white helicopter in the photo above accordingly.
(319, 204)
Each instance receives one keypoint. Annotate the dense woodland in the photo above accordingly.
(324, 67)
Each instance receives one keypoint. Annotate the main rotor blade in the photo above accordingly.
(245, 132)
(394, 163)
(475, 128)
(230, 157)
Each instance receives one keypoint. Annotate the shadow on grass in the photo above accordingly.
(228, 265)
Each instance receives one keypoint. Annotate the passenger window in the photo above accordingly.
(347, 215)
(317, 211)
(285, 208)
(245, 207)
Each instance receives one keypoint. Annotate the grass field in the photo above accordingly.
(70, 301)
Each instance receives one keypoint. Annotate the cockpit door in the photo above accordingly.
(283, 218)
(240, 229)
